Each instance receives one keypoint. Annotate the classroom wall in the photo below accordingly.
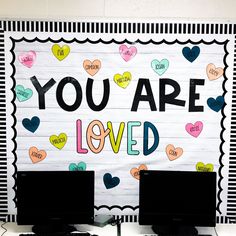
(72, 9)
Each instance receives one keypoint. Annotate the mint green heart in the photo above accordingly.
(160, 67)
(75, 167)
(23, 94)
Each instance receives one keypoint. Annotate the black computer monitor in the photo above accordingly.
(53, 201)
(174, 202)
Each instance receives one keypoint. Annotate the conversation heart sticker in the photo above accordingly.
(201, 167)
(160, 67)
(109, 181)
(214, 73)
(76, 167)
(27, 58)
(216, 104)
(58, 141)
(135, 172)
(23, 94)
(191, 54)
(194, 129)
(60, 52)
(173, 153)
(31, 124)
(123, 80)
(92, 67)
(37, 155)
(127, 53)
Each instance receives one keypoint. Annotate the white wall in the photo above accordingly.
(73, 9)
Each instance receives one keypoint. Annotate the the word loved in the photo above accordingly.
(116, 141)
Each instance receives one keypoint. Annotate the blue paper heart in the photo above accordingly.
(191, 54)
(216, 104)
(109, 181)
(32, 124)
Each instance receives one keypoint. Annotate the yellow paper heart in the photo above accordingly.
(60, 52)
(123, 80)
(201, 167)
(58, 141)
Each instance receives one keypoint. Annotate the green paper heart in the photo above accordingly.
(201, 167)
(80, 166)
(58, 141)
(23, 94)
(160, 67)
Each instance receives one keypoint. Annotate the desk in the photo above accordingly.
(132, 229)
(127, 229)
(14, 230)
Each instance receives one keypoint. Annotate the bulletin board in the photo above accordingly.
(118, 97)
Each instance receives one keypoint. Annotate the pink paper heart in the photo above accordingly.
(27, 59)
(195, 129)
(127, 53)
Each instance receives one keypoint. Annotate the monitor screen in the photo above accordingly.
(177, 198)
(55, 197)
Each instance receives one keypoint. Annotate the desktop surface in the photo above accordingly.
(127, 229)
(15, 230)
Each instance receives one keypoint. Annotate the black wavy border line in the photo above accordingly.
(117, 207)
(223, 129)
(14, 122)
(87, 40)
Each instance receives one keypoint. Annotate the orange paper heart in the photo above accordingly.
(135, 171)
(92, 67)
(214, 73)
(36, 155)
(173, 153)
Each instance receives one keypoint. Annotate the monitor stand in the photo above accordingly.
(175, 230)
(53, 228)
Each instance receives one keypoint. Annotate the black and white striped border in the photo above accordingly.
(116, 28)
(231, 202)
(3, 132)
(134, 219)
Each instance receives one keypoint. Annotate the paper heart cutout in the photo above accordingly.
(123, 80)
(23, 94)
(76, 167)
(92, 67)
(135, 172)
(173, 153)
(27, 58)
(195, 129)
(191, 54)
(36, 155)
(31, 124)
(216, 104)
(160, 67)
(214, 73)
(127, 53)
(109, 181)
(201, 167)
(60, 52)
(58, 141)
